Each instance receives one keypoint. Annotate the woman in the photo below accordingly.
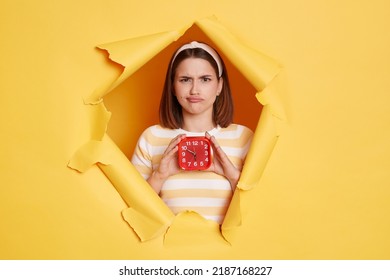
(196, 101)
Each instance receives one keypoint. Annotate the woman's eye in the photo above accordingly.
(184, 80)
(206, 79)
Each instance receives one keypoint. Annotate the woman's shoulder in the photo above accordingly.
(237, 130)
(157, 131)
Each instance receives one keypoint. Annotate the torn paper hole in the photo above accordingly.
(147, 214)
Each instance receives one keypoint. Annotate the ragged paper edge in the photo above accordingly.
(149, 217)
(132, 54)
(155, 219)
(263, 143)
(189, 228)
(258, 68)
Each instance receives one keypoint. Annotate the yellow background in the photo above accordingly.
(325, 192)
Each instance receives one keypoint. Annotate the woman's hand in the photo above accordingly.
(168, 165)
(221, 163)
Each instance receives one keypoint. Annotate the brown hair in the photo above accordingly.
(170, 110)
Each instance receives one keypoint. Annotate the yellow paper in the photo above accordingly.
(323, 193)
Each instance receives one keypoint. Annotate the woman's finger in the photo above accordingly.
(173, 144)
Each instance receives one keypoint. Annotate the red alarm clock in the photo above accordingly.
(194, 153)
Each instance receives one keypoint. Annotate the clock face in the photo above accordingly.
(194, 153)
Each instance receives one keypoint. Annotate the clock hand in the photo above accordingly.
(192, 152)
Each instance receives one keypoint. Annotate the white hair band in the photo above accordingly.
(208, 49)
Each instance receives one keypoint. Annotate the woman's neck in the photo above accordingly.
(195, 123)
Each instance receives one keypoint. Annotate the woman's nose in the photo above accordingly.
(194, 88)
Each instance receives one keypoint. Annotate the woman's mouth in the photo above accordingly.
(194, 99)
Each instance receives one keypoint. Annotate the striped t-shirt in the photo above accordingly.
(206, 193)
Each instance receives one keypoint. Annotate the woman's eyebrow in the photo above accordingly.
(184, 77)
(206, 76)
(190, 76)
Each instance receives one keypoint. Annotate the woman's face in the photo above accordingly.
(196, 86)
